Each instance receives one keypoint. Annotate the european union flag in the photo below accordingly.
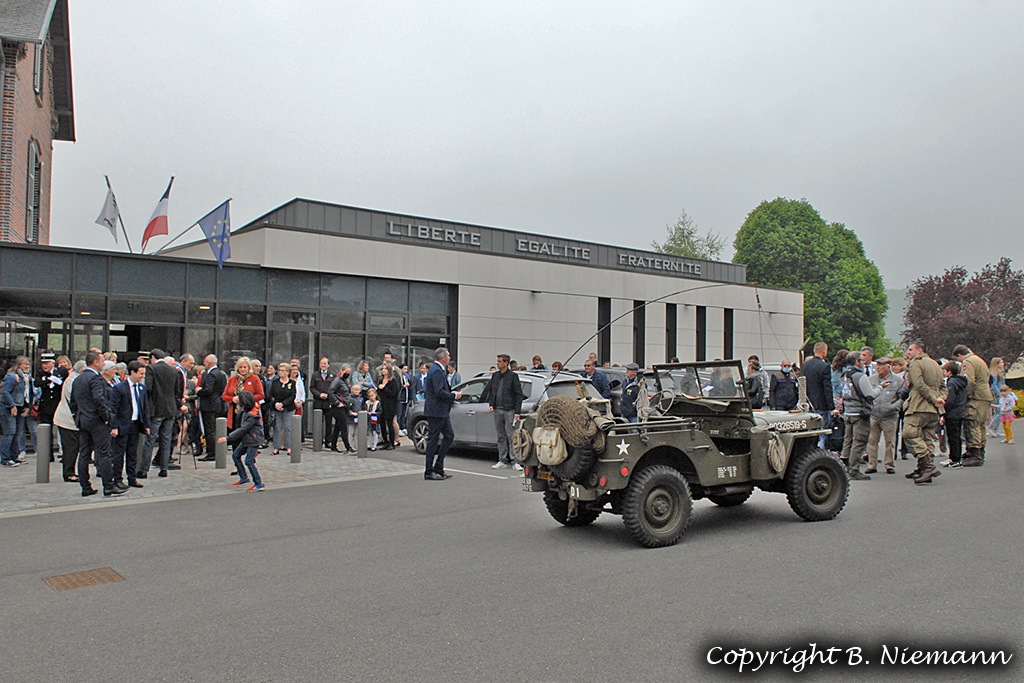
(217, 227)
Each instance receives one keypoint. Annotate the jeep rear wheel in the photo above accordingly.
(816, 485)
(559, 509)
(731, 499)
(656, 506)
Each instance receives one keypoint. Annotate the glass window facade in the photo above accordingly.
(69, 301)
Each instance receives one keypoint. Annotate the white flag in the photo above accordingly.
(108, 217)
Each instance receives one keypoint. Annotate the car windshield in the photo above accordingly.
(714, 382)
(570, 389)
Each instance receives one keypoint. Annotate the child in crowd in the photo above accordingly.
(372, 414)
(247, 439)
(355, 405)
(1007, 403)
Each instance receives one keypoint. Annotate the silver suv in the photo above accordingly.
(472, 420)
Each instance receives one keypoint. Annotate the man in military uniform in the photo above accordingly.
(921, 424)
(50, 384)
(630, 392)
(979, 397)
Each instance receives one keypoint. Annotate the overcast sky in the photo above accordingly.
(598, 121)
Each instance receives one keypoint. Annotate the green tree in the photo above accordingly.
(685, 240)
(786, 243)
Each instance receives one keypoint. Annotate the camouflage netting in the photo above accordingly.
(571, 417)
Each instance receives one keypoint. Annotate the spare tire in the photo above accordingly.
(580, 461)
(572, 418)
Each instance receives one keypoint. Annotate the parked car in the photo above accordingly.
(472, 420)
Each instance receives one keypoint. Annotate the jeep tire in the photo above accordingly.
(559, 509)
(580, 461)
(816, 485)
(656, 506)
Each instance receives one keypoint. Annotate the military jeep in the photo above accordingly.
(697, 437)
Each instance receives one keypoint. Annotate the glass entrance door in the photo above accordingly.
(292, 341)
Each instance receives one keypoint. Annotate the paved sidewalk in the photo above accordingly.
(19, 493)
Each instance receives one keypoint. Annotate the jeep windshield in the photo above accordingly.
(720, 381)
(572, 388)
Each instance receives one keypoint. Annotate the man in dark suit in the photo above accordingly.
(211, 402)
(165, 387)
(320, 390)
(437, 406)
(819, 385)
(129, 408)
(90, 404)
(418, 383)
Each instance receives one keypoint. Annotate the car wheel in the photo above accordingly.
(656, 506)
(420, 430)
(559, 510)
(816, 485)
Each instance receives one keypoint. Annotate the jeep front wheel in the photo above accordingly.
(816, 485)
(656, 506)
(559, 510)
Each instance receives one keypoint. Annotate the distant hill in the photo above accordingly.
(894, 317)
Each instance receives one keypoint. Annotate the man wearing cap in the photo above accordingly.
(885, 413)
(143, 358)
(50, 384)
(979, 397)
(630, 392)
(504, 393)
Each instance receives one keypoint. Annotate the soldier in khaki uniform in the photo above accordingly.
(921, 425)
(979, 397)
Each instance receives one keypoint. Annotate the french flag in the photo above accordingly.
(158, 221)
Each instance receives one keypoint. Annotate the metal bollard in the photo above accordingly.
(220, 450)
(296, 438)
(362, 434)
(44, 434)
(318, 430)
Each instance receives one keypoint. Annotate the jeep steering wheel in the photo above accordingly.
(665, 401)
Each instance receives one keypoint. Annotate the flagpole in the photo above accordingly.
(187, 229)
(175, 239)
(119, 219)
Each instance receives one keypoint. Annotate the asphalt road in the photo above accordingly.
(399, 579)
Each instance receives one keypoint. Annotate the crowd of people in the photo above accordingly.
(123, 418)
(911, 403)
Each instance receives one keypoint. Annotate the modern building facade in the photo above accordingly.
(37, 108)
(311, 279)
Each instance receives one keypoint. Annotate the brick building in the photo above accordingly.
(35, 80)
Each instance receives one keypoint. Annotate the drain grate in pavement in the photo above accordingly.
(92, 577)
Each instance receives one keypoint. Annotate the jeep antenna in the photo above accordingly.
(632, 310)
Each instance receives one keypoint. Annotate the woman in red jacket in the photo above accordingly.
(242, 380)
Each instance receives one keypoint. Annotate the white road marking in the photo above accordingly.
(477, 474)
